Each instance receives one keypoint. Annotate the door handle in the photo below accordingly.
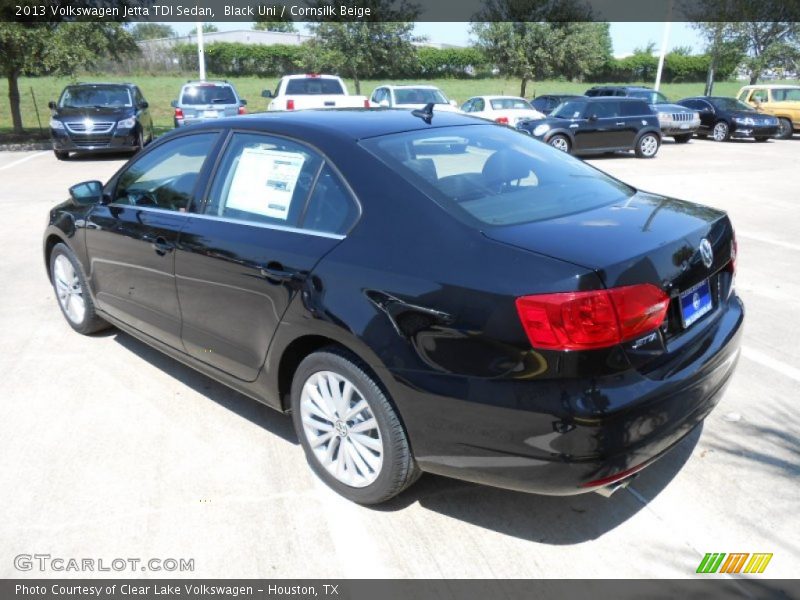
(621, 123)
(160, 244)
(276, 273)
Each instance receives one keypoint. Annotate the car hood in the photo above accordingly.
(646, 238)
(671, 108)
(90, 112)
(745, 114)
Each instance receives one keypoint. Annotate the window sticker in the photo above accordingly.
(264, 182)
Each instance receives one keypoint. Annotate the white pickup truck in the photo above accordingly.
(299, 92)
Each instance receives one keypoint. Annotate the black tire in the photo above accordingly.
(560, 142)
(90, 322)
(644, 145)
(721, 132)
(784, 129)
(683, 138)
(398, 469)
(61, 154)
(762, 138)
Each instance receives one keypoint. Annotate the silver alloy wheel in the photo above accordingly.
(784, 128)
(560, 143)
(68, 289)
(340, 429)
(648, 145)
(720, 132)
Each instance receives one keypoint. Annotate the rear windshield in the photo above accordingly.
(510, 103)
(491, 175)
(208, 94)
(95, 95)
(419, 96)
(312, 86)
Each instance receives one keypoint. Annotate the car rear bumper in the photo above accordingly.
(111, 142)
(564, 437)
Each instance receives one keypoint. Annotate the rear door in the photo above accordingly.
(632, 114)
(131, 240)
(275, 207)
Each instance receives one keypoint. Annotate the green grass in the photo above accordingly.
(160, 90)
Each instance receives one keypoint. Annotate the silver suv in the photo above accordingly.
(205, 100)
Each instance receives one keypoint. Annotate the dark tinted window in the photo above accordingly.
(165, 178)
(649, 96)
(731, 104)
(311, 86)
(478, 105)
(572, 109)
(540, 103)
(634, 109)
(95, 95)
(605, 109)
(494, 175)
(263, 179)
(331, 209)
(208, 94)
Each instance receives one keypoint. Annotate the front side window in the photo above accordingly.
(569, 110)
(604, 110)
(478, 105)
(95, 95)
(166, 177)
(760, 96)
(495, 176)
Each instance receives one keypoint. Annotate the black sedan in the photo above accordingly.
(421, 294)
(599, 125)
(546, 103)
(724, 118)
(100, 117)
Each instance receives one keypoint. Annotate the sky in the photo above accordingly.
(625, 36)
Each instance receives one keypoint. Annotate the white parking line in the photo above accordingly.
(771, 363)
(22, 160)
(768, 240)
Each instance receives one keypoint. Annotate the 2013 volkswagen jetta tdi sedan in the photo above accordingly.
(422, 294)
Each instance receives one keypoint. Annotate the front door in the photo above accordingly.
(275, 208)
(130, 241)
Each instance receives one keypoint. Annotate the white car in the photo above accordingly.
(508, 110)
(299, 92)
(411, 97)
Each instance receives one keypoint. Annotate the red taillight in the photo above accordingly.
(501, 120)
(366, 102)
(242, 110)
(178, 113)
(290, 104)
(589, 320)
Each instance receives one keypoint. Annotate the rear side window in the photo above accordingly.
(488, 175)
(208, 94)
(634, 109)
(604, 110)
(313, 86)
(331, 208)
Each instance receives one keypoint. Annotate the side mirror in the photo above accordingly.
(384, 103)
(51, 105)
(242, 101)
(144, 105)
(266, 94)
(87, 192)
(592, 118)
(174, 104)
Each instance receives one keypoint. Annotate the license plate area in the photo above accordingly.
(695, 303)
(210, 114)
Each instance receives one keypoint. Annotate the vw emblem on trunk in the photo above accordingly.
(706, 253)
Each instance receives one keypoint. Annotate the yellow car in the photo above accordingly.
(782, 101)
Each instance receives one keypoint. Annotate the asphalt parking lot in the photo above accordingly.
(110, 449)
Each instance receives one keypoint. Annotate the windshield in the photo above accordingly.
(208, 94)
(730, 104)
(313, 86)
(489, 175)
(569, 110)
(651, 97)
(95, 95)
(786, 95)
(510, 103)
(418, 96)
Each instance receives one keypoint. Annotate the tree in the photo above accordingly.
(369, 47)
(535, 39)
(151, 31)
(56, 48)
(209, 28)
(723, 47)
(285, 26)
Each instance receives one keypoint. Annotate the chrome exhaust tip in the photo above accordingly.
(607, 490)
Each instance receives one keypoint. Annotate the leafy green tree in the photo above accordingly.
(368, 47)
(285, 26)
(209, 28)
(724, 47)
(151, 31)
(56, 48)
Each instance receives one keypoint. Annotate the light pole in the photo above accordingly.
(201, 55)
(664, 42)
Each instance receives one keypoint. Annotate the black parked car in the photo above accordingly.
(546, 103)
(423, 294)
(599, 125)
(100, 117)
(723, 118)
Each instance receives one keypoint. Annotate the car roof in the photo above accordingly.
(502, 97)
(406, 86)
(342, 123)
(100, 84)
(616, 98)
(772, 86)
(208, 82)
(623, 87)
